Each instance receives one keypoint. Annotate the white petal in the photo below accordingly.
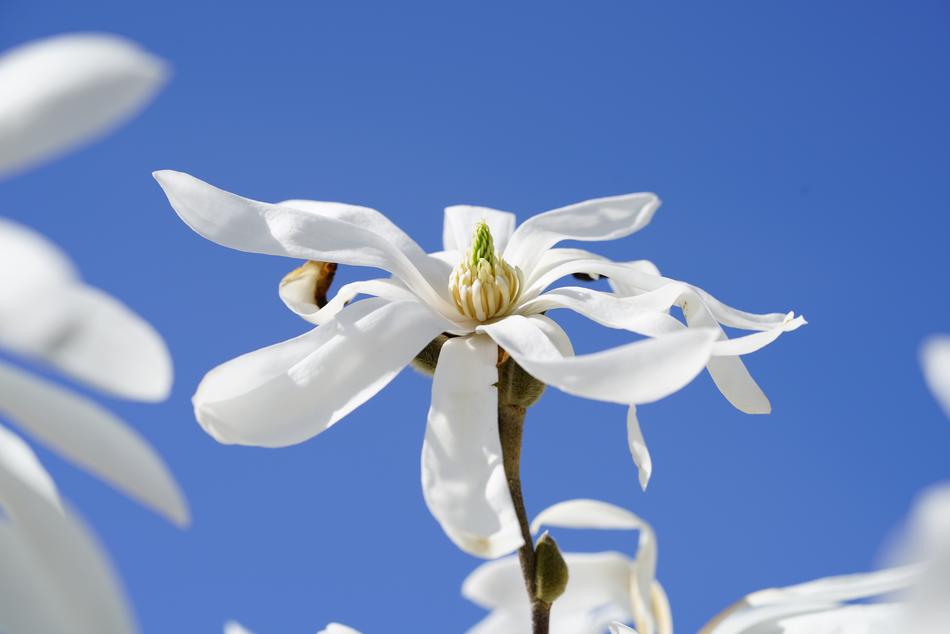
(292, 391)
(645, 314)
(33, 275)
(463, 476)
(459, 225)
(109, 347)
(935, 358)
(591, 220)
(330, 232)
(46, 313)
(61, 91)
(620, 628)
(298, 296)
(54, 577)
(850, 619)
(93, 438)
(638, 448)
(635, 373)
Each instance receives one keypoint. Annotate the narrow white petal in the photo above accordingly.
(935, 358)
(620, 628)
(59, 92)
(635, 373)
(330, 232)
(54, 577)
(460, 222)
(93, 438)
(645, 314)
(591, 220)
(292, 391)
(463, 476)
(728, 373)
(638, 448)
(111, 348)
(298, 296)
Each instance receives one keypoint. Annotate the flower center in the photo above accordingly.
(483, 285)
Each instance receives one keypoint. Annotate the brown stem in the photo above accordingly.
(510, 430)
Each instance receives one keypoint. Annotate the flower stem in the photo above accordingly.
(510, 430)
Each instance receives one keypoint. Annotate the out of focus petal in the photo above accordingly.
(289, 392)
(88, 435)
(59, 92)
(639, 372)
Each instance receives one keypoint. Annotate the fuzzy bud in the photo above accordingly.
(550, 571)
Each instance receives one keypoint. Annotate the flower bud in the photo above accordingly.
(550, 570)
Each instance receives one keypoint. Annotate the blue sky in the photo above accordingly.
(800, 148)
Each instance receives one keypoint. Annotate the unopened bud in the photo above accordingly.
(550, 570)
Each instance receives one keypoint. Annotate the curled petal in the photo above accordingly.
(62, 91)
(463, 476)
(325, 232)
(591, 220)
(54, 576)
(289, 392)
(460, 221)
(638, 448)
(639, 372)
(93, 438)
(297, 291)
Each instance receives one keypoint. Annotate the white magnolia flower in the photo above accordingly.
(602, 587)
(53, 576)
(489, 292)
(59, 92)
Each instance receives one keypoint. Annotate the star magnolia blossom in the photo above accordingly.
(489, 293)
(61, 91)
(602, 587)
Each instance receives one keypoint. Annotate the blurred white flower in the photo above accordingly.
(53, 576)
(55, 94)
(488, 293)
(49, 315)
(602, 587)
(59, 92)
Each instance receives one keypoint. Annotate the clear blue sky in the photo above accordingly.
(801, 149)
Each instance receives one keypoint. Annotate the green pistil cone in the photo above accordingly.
(483, 246)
